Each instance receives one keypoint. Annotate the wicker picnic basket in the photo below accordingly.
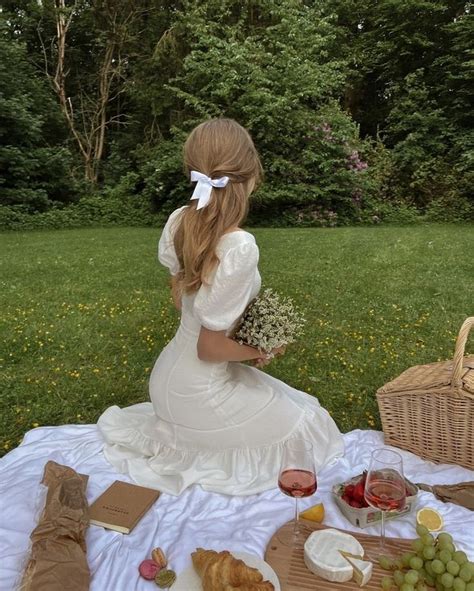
(429, 409)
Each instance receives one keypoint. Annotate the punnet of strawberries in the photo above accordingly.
(353, 491)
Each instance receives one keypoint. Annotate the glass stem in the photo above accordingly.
(382, 532)
(296, 529)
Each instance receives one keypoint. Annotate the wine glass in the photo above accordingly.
(385, 488)
(297, 479)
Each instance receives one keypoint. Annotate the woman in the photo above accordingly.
(211, 420)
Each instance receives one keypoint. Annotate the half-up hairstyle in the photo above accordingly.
(216, 148)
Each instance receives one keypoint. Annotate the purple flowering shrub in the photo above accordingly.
(336, 167)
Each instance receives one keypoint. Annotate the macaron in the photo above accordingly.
(159, 557)
(148, 569)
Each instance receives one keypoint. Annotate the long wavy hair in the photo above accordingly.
(216, 148)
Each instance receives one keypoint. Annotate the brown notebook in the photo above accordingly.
(122, 506)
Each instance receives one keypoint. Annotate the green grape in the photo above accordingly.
(453, 567)
(465, 573)
(407, 587)
(385, 562)
(470, 587)
(429, 552)
(445, 537)
(427, 539)
(430, 580)
(447, 580)
(445, 556)
(421, 530)
(399, 578)
(438, 567)
(459, 584)
(387, 583)
(471, 567)
(439, 586)
(460, 557)
(449, 546)
(428, 568)
(411, 577)
(416, 562)
(406, 557)
(398, 564)
(420, 586)
(417, 545)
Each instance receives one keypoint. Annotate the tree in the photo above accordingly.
(33, 163)
(87, 111)
(274, 68)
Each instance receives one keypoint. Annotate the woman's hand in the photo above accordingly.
(265, 359)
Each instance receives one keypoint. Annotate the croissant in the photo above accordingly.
(220, 571)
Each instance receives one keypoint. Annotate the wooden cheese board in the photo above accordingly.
(289, 563)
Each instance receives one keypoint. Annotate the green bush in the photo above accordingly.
(398, 213)
(162, 175)
(96, 210)
(449, 210)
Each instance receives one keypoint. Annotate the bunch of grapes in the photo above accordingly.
(434, 562)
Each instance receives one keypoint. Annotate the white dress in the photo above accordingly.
(221, 425)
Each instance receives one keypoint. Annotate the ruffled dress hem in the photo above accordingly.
(234, 471)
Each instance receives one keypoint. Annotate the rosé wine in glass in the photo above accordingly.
(297, 483)
(386, 494)
(385, 487)
(297, 479)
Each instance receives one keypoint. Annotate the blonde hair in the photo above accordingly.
(216, 148)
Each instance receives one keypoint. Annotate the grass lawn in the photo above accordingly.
(85, 313)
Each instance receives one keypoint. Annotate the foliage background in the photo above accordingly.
(360, 110)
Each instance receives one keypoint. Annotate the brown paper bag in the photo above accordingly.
(460, 494)
(58, 549)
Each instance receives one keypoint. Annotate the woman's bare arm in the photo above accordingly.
(214, 346)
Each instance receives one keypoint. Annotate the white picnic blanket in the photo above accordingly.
(196, 518)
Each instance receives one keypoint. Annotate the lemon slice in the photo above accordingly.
(314, 513)
(430, 518)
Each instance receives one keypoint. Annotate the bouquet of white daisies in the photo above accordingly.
(269, 321)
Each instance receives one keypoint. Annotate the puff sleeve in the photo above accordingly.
(220, 304)
(166, 252)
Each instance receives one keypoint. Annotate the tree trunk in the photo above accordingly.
(89, 126)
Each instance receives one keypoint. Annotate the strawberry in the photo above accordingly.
(349, 489)
(358, 493)
(355, 503)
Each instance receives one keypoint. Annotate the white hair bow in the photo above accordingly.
(203, 189)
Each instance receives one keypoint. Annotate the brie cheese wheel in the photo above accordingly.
(323, 557)
(362, 569)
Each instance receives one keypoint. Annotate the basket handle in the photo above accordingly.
(459, 351)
